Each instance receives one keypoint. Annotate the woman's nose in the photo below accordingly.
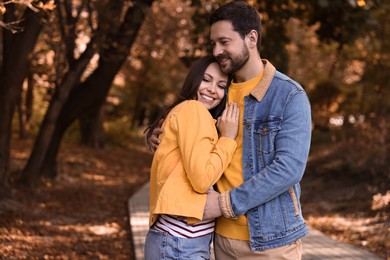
(211, 88)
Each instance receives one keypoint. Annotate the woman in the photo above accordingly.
(189, 160)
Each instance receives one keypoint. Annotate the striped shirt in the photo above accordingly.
(178, 227)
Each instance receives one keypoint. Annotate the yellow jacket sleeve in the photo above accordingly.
(204, 155)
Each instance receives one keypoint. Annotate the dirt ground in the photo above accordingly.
(82, 214)
(348, 206)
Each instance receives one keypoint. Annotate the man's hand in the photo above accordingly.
(212, 209)
(152, 139)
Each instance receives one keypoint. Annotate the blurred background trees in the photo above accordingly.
(99, 71)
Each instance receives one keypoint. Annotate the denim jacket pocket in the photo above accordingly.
(265, 133)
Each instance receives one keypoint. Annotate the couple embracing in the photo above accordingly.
(230, 153)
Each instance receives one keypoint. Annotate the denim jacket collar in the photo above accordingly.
(269, 71)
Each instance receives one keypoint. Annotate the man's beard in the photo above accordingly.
(236, 62)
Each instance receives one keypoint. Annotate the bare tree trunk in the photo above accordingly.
(8, 36)
(92, 130)
(90, 96)
(21, 117)
(32, 170)
(29, 100)
(16, 59)
(139, 110)
(24, 105)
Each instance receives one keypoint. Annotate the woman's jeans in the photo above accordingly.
(162, 245)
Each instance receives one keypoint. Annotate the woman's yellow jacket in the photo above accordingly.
(188, 161)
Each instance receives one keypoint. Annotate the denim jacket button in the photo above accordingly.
(265, 130)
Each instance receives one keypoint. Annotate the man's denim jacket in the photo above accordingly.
(276, 143)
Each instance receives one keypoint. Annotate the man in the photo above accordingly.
(259, 191)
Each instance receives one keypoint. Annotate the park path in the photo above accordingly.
(316, 246)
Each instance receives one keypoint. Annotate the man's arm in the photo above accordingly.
(292, 145)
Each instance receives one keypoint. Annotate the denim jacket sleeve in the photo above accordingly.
(292, 144)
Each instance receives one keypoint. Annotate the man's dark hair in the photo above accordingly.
(243, 17)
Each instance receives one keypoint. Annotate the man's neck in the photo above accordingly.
(250, 70)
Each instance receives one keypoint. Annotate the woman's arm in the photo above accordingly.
(205, 156)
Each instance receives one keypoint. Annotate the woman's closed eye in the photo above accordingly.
(206, 79)
(222, 85)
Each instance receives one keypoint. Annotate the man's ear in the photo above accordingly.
(252, 38)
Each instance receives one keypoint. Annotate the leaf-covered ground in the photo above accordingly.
(82, 214)
(348, 206)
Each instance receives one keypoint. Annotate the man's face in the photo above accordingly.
(228, 47)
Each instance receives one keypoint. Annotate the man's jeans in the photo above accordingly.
(162, 245)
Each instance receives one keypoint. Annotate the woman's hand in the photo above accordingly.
(228, 122)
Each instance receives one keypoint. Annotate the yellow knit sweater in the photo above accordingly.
(236, 228)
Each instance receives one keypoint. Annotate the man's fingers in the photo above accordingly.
(157, 131)
(154, 143)
(159, 125)
(155, 139)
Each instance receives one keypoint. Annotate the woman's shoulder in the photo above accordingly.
(190, 106)
(190, 111)
(193, 114)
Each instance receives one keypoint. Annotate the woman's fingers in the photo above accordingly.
(232, 110)
(236, 112)
(228, 122)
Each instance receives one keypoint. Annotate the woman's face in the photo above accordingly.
(212, 88)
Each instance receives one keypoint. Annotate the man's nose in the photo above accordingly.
(217, 50)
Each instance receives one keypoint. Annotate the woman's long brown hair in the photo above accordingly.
(189, 91)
